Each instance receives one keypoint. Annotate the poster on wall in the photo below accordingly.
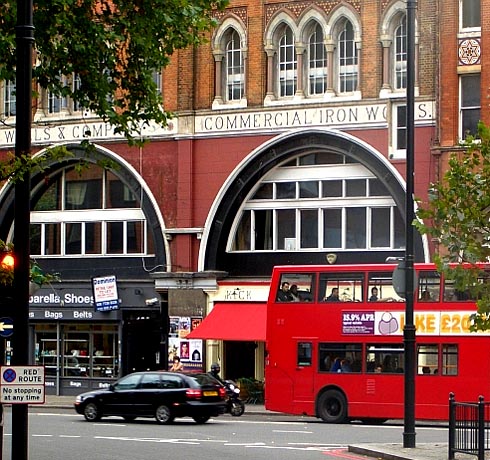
(190, 351)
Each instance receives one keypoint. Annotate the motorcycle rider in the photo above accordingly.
(214, 372)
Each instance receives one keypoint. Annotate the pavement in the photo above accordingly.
(387, 451)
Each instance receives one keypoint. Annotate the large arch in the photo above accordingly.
(213, 254)
(130, 177)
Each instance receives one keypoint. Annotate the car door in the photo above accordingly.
(150, 387)
(121, 397)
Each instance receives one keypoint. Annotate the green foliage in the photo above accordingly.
(113, 46)
(458, 216)
(37, 275)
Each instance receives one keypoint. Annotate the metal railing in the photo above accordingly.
(469, 427)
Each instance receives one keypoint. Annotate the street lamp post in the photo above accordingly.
(409, 329)
(23, 122)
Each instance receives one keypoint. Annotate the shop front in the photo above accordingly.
(83, 349)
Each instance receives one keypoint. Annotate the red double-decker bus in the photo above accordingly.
(335, 344)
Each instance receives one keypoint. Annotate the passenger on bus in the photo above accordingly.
(425, 296)
(334, 296)
(345, 366)
(374, 294)
(378, 369)
(295, 296)
(284, 295)
(336, 365)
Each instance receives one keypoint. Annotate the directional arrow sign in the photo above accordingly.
(6, 327)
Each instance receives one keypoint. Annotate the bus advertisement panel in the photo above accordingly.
(335, 344)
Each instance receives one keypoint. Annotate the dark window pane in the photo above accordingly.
(355, 228)
(309, 228)
(285, 190)
(332, 228)
(73, 238)
(242, 236)
(331, 188)
(308, 189)
(380, 227)
(263, 229)
(286, 228)
(355, 187)
(115, 237)
(264, 192)
(377, 188)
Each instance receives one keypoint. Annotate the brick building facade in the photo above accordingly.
(288, 144)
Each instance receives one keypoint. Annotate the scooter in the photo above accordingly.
(234, 405)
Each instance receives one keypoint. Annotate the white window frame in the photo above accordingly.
(398, 126)
(462, 108)
(461, 12)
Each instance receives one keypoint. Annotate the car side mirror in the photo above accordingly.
(112, 387)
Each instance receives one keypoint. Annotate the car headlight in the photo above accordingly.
(79, 399)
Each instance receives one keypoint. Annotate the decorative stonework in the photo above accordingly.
(469, 51)
(240, 12)
(297, 8)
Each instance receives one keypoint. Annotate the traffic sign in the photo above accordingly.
(6, 327)
(22, 384)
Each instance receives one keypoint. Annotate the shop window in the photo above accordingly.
(78, 351)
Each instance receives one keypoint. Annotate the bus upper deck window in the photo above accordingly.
(295, 287)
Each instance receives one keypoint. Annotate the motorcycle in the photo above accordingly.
(234, 405)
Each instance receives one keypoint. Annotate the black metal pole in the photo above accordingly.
(23, 123)
(409, 330)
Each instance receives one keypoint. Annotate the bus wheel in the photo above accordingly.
(332, 407)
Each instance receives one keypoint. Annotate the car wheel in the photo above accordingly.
(201, 419)
(129, 418)
(163, 414)
(332, 407)
(92, 412)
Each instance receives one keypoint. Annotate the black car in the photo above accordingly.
(163, 395)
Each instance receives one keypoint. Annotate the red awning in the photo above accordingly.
(233, 321)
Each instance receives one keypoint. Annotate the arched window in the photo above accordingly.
(317, 62)
(318, 201)
(235, 73)
(400, 54)
(347, 59)
(89, 213)
(287, 63)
